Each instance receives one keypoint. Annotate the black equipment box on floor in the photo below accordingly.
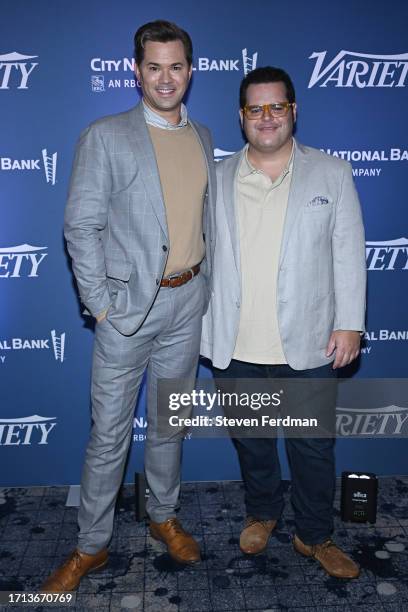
(359, 497)
(141, 495)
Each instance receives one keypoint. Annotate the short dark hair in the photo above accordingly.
(267, 74)
(161, 31)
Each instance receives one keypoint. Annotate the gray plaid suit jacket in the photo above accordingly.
(115, 218)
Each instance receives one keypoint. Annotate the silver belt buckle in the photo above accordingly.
(171, 276)
(177, 274)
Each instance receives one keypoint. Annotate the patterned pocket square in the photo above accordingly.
(318, 201)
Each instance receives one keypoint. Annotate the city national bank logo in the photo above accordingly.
(48, 163)
(99, 83)
(140, 427)
(55, 342)
(350, 69)
(26, 430)
(389, 421)
(369, 156)
(387, 254)
(21, 261)
(383, 335)
(15, 70)
(247, 63)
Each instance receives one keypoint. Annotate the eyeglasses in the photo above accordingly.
(276, 109)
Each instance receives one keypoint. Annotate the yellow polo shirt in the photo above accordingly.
(261, 210)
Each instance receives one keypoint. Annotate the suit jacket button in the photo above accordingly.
(157, 281)
(164, 248)
(238, 305)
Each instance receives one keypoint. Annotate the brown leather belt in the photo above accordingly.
(176, 280)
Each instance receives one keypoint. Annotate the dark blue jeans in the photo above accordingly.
(311, 462)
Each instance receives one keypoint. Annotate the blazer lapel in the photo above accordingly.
(229, 188)
(147, 164)
(299, 179)
(208, 155)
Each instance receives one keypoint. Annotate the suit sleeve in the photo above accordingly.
(349, 259)
(86, 216)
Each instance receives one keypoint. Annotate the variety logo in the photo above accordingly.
(48, 163)
(22, 260)
(26, 430)
(387, 421)
(57, 343)
(350, 69)
(14, 70)
(387, 255)
(369, 156)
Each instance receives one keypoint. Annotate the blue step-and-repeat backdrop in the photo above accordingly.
(66, 63)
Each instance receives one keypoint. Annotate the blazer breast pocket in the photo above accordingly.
(316, 224)
(320, 205)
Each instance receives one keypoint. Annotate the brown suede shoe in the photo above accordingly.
(68, 576)
(255, 535)
(332, 559)
(181, 545)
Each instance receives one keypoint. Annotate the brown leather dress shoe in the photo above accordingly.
(181, 545)
(331, 558)
(68, 576)
(255, 535)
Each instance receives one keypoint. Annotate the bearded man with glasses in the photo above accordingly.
(288, 302)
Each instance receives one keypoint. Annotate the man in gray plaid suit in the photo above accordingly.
(138, 228)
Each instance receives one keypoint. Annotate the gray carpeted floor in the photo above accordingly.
(37, 531)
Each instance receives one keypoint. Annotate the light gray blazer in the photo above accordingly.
(322, 270)
(115, 218)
